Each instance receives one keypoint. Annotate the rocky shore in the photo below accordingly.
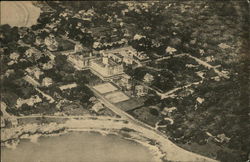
(161, 148)
(10, 137)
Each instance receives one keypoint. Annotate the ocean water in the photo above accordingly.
(77, 147)
(19, 13)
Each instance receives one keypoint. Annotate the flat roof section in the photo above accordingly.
(105, 88)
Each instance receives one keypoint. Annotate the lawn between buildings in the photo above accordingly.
(201, 110)
(171, 73)
(196, 109)
(199, 28)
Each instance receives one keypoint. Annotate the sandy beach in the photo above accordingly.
(160, 147)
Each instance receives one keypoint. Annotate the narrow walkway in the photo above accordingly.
(169, 93)
(201, 62)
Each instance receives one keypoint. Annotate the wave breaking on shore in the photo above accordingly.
(161, 148)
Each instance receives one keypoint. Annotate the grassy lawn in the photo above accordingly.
(171, 73)
(40, 120)
(144, 114)
(64, 45)
(91, 78)
(131, 104)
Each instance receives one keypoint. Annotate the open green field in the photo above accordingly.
(131, 104)
(64, 45)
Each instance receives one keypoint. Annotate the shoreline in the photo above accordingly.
(154, 150)
(161, 148)
(28, 17)
(13, 140)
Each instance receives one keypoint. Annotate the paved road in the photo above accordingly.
(168, 57)
(201, 62)
(117, 110)
(71, 117)
(172, 151)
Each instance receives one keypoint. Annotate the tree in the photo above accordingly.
(229, 156)
(154, 112)
(43, 59)
(29, 38)
(21, 50)
(25, 109)
(80, 78)
(152, 100)
(60, 60)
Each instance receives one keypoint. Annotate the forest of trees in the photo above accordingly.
(189, 27)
